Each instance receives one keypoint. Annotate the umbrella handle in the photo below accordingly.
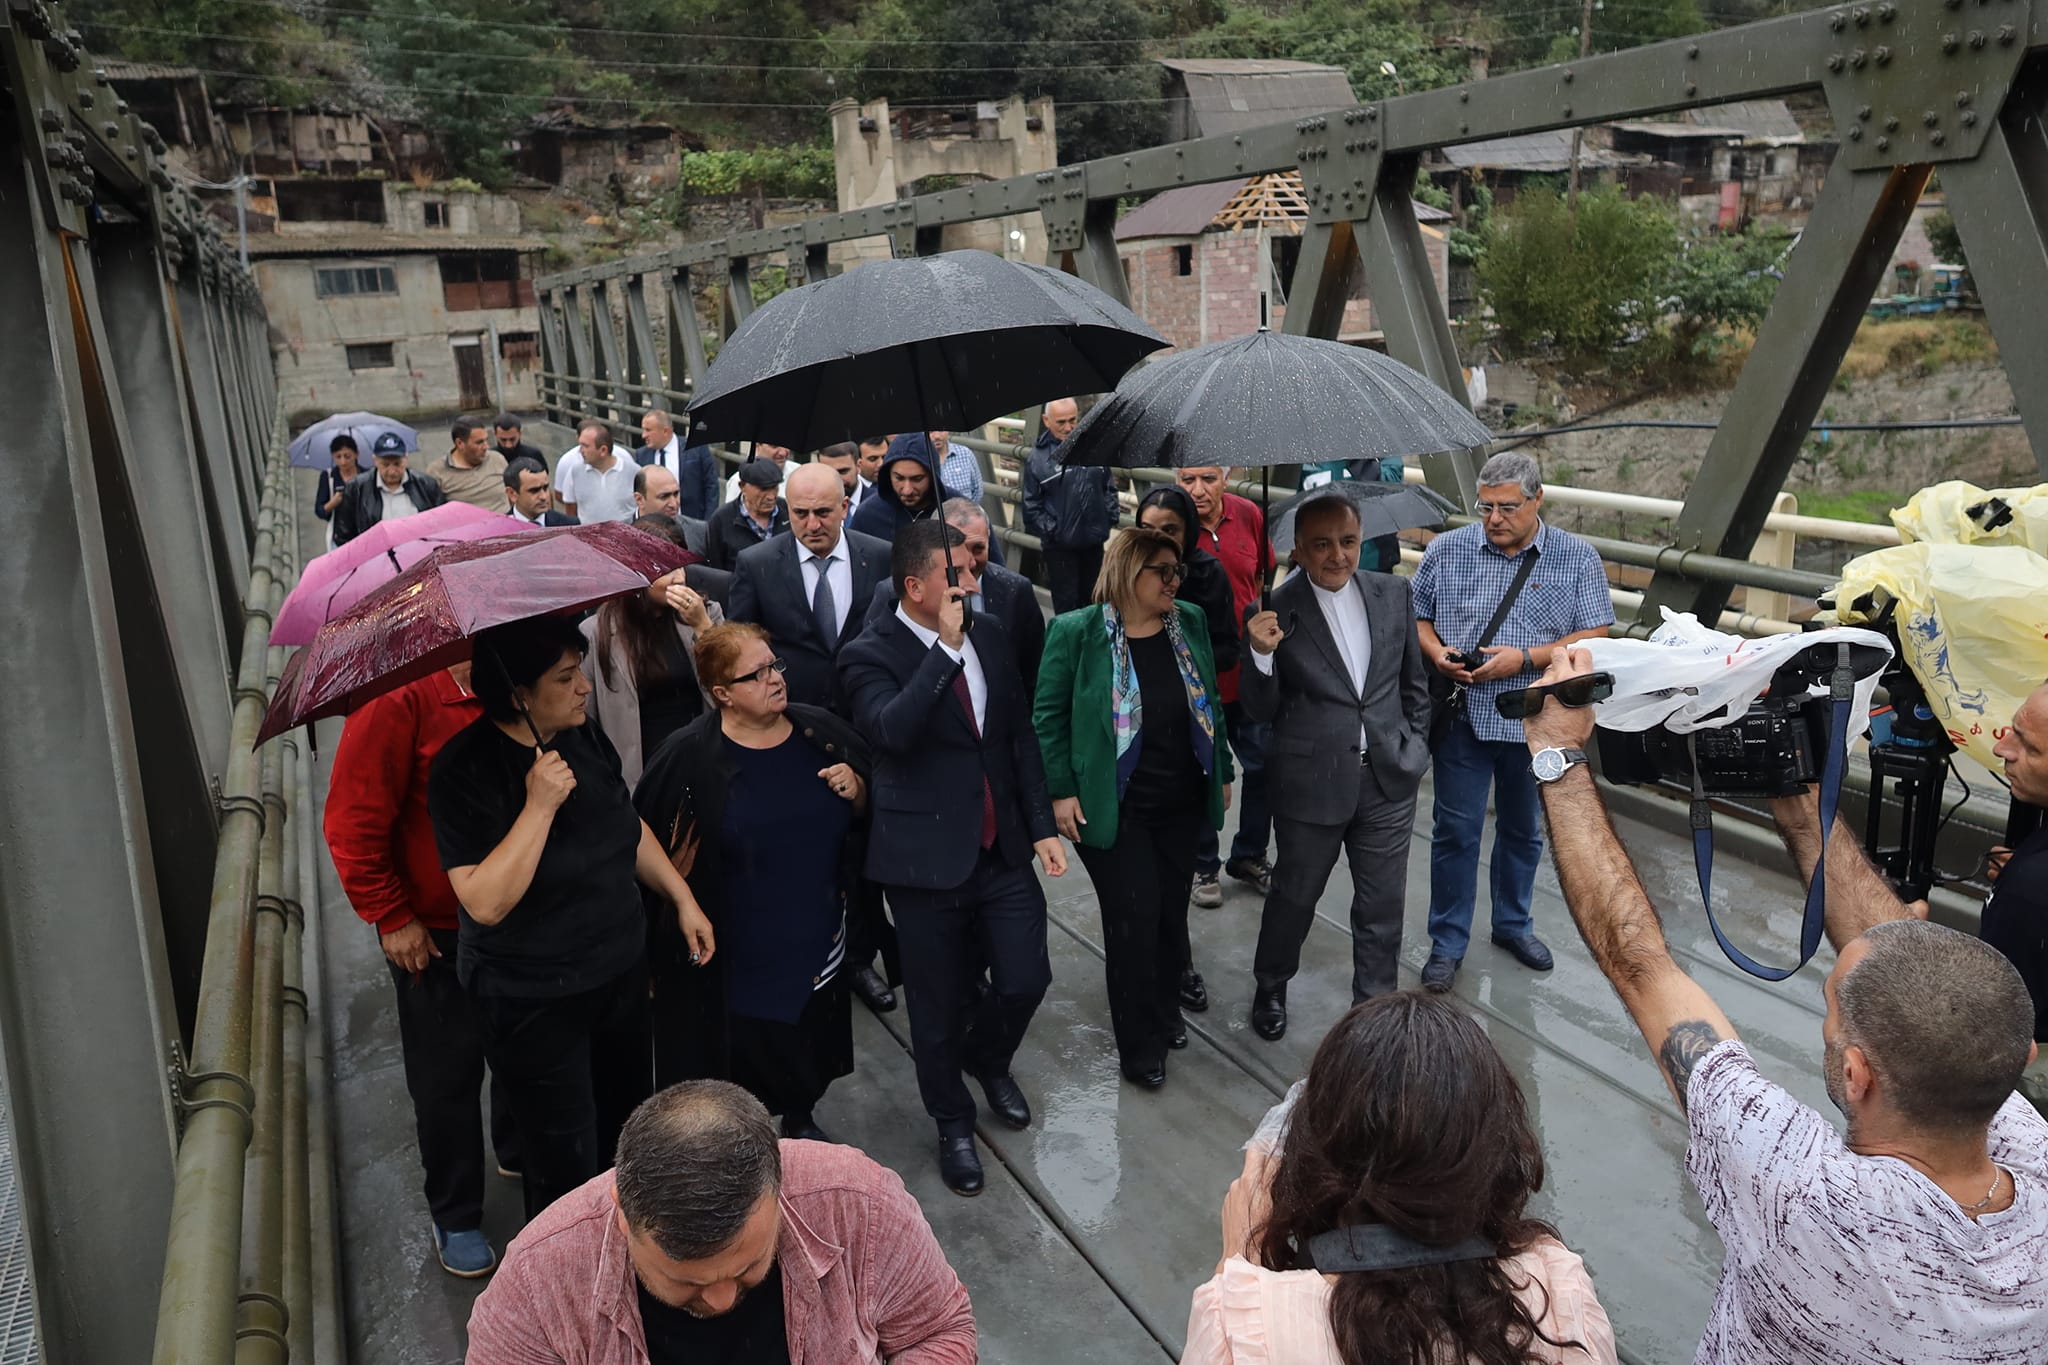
(1265, 539)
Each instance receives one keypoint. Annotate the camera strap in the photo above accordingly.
(1813, 925)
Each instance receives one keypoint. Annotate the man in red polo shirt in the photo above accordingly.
(1233, 529)
(383, 849)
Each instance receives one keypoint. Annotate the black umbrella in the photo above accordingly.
(1383, 509)
(941, 342)
(1270, 398)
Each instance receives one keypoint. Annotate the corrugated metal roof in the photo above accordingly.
(1541, 152)
(1227, 96)
(145, 71)
(284, 244)
(1751, 118)
(1182, 211)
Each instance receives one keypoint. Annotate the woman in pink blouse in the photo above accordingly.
(1384, 1220)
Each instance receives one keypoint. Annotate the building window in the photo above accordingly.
(484, 279)
(371, 355)
(437, 213)
(341, 281)
(1184, 260)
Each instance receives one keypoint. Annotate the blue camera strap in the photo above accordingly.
(1813, 927)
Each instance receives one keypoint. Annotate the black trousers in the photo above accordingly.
(441, 1037)
(869, 932)
(574, 1068)
(1070, 574)
(1141, 885)
(1374, 842)
(994, 919)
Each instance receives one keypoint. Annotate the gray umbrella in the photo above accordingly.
(925, 343)
(1383, 509)
(1270, 398)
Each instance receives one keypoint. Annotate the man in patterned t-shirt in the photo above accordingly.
(1922, 1236)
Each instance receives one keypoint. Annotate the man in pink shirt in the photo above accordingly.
(712, 1239)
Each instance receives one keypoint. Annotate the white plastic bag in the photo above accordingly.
(1687, 677)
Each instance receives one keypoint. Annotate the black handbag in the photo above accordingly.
(1447, 698)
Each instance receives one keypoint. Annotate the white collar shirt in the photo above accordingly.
(969, 661)
(670, 456)
(520, 516)
(605, 494)
(1344, 612)
(837, 567)
(397, 502)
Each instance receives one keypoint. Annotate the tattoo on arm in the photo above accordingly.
(1684, 1048)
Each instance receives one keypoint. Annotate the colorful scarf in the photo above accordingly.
(1127, 704)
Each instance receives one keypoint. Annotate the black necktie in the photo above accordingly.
(823, 607)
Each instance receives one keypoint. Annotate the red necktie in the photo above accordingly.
(988, 797)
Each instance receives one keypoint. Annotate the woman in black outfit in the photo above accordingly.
(1132, 732)
(543, 848)
(1168, 508)
(764, 804)
(347, 464)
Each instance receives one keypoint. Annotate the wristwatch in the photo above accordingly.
(1551, 764)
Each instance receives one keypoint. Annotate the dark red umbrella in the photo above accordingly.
(423, 619)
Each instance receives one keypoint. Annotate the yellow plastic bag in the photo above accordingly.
(1972, 622)
(1959, 513)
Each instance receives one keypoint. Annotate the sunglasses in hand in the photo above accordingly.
(1583, 690)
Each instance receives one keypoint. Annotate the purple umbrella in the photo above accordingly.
(339, 579)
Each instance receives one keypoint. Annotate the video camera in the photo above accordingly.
(1772, 749)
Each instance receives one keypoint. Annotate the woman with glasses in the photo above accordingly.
(762, 803)
(1131, 729)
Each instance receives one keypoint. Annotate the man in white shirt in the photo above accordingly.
(1336, 667)
(601, 486)
(1921, 1236)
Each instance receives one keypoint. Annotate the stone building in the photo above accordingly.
(598, 160)
(880, 156)
(1206, 262)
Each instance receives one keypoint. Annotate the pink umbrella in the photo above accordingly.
(339, 579)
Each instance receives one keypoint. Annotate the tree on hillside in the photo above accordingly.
(1357, 35)
(1585, 287)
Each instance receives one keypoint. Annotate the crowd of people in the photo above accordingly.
(636, 870)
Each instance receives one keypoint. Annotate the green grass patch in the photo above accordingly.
(1867, 504)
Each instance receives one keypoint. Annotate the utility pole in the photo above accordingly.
(1579, 134)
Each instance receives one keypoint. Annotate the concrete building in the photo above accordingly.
(606, 162)
(882, 156)
(1205, 262)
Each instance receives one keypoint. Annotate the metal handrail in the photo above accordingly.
(242, 1269)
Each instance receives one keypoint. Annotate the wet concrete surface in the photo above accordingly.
(1100, 1219)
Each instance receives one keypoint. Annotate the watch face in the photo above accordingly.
(1549, 764)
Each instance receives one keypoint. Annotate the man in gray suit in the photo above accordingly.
(1336, 667)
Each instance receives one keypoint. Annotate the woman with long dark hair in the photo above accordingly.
(1390, 1226)
(645, 685)
(762, 803)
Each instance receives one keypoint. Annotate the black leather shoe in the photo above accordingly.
(1527, 950)
(805, 1128)
(1269, 1013)
(1006, 1100)
(1151, 1078)
(872, 988)
(1193, 993)
(1438, 973)
(1177, 1034)
(960, 1165)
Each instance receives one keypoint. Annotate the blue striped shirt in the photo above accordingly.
(1461, 581)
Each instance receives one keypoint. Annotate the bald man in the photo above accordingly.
(1071, 511)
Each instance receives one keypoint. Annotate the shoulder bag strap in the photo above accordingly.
(1507, 603)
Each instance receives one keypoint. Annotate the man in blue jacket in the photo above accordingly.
(1071, 511)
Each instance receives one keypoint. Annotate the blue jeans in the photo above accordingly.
(1248, 740)
(1466, 768)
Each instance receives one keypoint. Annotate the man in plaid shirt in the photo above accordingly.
(1463, 577)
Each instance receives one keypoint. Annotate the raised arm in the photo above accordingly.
(1858, 896)
(1679, 1020)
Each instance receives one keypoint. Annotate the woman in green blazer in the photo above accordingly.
(1132, 731)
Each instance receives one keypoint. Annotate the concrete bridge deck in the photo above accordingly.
(1099, 1221)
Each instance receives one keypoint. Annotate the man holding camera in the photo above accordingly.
(1918, 1238)
(1494, 603)
(2016, 914)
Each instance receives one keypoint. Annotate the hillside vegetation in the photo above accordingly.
(760, 74)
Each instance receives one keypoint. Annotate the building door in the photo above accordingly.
(469, 374)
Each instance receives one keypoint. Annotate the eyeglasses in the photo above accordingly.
(1583, 690)
(1505, 509)
(1168, 573)
(759, 675)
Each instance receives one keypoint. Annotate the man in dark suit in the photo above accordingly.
(695, 467)
(1335, 666)
(530, 494)
(1003, 593)
(756, 515)
(960, 808)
